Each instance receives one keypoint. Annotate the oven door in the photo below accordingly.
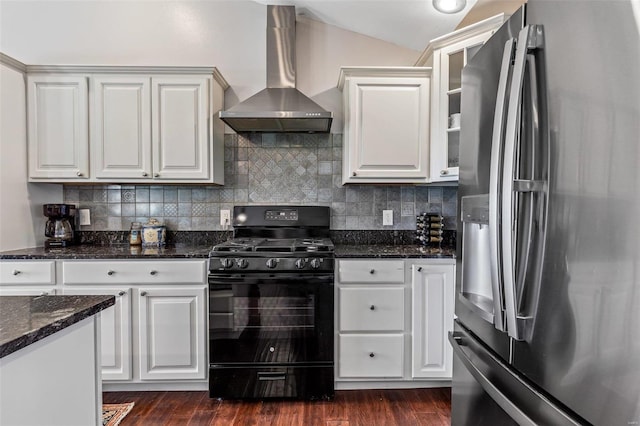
(270, 319)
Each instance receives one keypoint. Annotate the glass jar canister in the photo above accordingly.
(135, 234)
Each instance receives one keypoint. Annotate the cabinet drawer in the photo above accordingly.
(134, 272)
(371, 355)
(371, 309)
(31, 272)
(363, 271)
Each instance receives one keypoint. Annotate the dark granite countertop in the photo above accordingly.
(394, 251)
(185, 250)
(112, 251)
(26, 319)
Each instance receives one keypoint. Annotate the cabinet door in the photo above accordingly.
(121, 127)
(115, 331)
(386, 130)
(432, 319)
(58, 134)
(27, 291)
(180, 128)
(172, 333)
(445, 139)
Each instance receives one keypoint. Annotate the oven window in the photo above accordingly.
(271, 323)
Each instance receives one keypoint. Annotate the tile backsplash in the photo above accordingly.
(270, 168)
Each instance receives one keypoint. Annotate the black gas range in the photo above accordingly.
(271, 305)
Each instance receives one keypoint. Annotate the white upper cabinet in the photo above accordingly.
(448, 55)
(141, 124)
(121, 135)
(58, 113)
(180, 129)
(386, 124)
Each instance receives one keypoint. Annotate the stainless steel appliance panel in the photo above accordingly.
(480, 79)
(584, 344)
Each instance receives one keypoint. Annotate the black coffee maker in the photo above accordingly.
(60, 228)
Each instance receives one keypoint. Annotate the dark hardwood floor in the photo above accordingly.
(349, 408)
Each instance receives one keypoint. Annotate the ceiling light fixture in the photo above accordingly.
(449, 6)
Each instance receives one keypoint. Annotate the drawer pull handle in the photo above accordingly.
(111, 272)
(373, 271)
(371, 355)
(154, 272)
(372, 307)
(16, 272)
(121, 293)
(419, 268)
(144, 293)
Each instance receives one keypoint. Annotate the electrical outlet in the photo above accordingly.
(85, 217)
(387, 217)
(225, 217)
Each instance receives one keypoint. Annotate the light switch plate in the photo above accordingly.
(85, 217)
(387, 217)
(225, 217)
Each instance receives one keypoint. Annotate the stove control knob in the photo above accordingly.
(272, 263)
(242, 263)
(315, 263)
(300, 263)
(226, 262)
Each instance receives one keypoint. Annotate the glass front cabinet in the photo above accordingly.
(448, 55)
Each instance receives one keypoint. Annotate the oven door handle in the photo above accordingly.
(226, 279)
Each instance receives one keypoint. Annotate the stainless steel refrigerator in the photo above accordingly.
(548, 285)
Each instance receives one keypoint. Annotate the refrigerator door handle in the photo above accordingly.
(529, 39)
(497, 146)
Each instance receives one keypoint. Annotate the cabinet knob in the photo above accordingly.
(144, 293)
(373, 271)
(156, 175)
(371, 355)
(354, 174)
(44, 293)
(145, 174)
(16, 272)
(121, 293)
(79, 174)
(419, 268)
(111, 272)
(444, 172)
(154, 272)
(372, 307)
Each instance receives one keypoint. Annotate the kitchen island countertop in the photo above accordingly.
(27, 319)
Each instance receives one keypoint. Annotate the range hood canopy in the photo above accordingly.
(280, 107)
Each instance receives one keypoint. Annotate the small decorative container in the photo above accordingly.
(429, 229)
(135, 234)
(154, 234)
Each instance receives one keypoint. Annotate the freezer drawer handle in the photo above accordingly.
(509, 407)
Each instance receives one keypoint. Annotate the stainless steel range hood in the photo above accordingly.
(280, 107)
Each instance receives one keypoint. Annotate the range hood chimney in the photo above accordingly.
(280, 107)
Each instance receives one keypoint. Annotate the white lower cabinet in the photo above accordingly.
(27, 278)
(156, 332)
(171, 325)
(392, 321)
(433, 288)
(115, 331)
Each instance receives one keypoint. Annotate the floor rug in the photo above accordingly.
(112, 414)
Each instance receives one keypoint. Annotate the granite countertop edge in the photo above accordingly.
(185, 251)
(15, 344)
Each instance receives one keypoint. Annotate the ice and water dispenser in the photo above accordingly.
(476, 290)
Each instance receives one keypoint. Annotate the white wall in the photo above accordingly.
(21, 219)
(228, 34)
